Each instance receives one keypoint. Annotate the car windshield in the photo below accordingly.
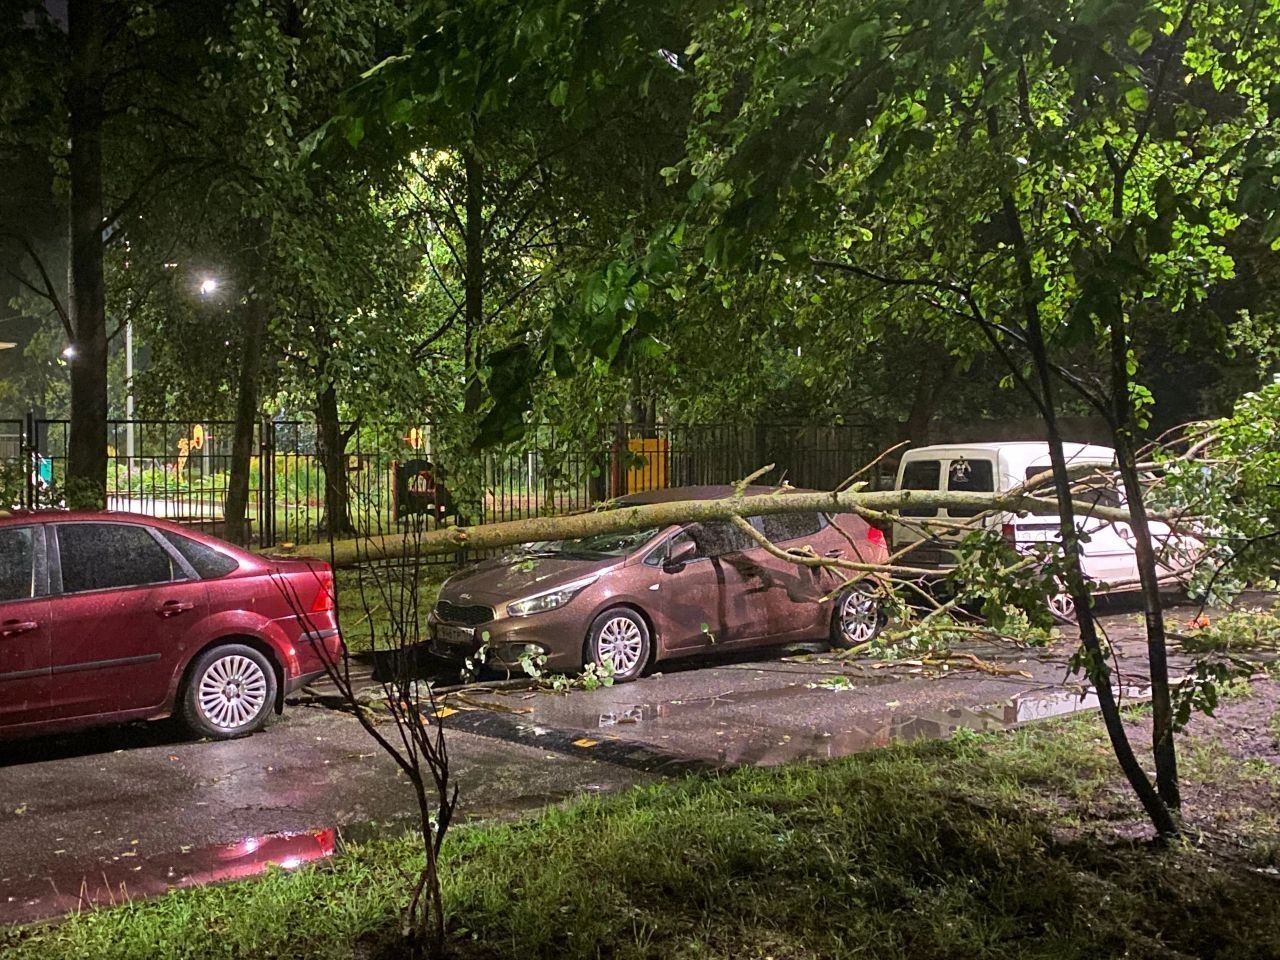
(596, 547)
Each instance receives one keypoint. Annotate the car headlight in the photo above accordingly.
(549, 600)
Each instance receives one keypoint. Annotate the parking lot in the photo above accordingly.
(114, 814)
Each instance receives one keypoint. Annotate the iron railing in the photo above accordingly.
(180, 469)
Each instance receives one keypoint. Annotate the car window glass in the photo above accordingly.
(1096, 491)
(790, 526)
(17, 564)
(205, 560)
(1098, 495)
(969, 476)
(98, 556)
(717, 538)
(921, 475)
(597, 546)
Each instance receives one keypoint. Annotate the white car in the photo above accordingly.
(1108, 555)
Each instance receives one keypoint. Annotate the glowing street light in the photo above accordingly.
(208, 287)
(69, 352)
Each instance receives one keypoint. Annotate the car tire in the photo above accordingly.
(230, 692)
(623, 636)
(858, 618)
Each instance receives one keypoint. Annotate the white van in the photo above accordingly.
(1108, 556)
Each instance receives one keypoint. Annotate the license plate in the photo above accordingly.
(455, 636)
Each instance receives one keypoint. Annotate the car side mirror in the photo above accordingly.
(680, 554)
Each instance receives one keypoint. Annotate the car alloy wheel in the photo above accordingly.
(859, 617)
(232, 692)
(620, 637)
(1063, 607)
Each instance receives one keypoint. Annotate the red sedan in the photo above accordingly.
(111, 617)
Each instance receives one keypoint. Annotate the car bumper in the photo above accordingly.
(294, 684)
(314, 652)
(509, 639)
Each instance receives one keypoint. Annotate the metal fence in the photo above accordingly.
(181, 470)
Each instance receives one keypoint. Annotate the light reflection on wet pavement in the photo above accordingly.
(129, 879)
(771, 722)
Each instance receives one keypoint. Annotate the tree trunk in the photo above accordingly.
(254, 318)
(1163, 745)
(870, 504)
(87, 447)
(1098, 670)
(473, 304)
(932, 383)
(333, 460)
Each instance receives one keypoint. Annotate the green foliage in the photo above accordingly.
(1228, 473)
(1237, 632)
(593, 675)
(1204, 685)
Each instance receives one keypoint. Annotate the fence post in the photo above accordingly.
(618, 469)
(266, 484)
(27, 457)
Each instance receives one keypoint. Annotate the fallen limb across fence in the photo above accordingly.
(879, 506)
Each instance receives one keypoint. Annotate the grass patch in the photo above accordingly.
(969, 849)
(361, 626)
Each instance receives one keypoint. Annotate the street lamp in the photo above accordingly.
(69, 352)
(208, 287)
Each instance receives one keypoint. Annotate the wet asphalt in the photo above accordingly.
(100, 816)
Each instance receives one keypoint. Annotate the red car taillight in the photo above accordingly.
(1010, 534)
(875, 537)
(324, 602)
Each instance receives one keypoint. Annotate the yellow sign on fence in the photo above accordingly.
(650, 473)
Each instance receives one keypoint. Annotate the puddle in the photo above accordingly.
(692, 728)
(131, 878)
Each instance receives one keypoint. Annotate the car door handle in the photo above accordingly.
(11, 628)
(171, 608)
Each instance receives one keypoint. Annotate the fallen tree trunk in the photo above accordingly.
(877, 505)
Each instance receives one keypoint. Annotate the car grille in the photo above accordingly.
(468, 616)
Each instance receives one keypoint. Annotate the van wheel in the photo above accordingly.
(1063, 607)
(231, 693)
(621, 637)
(859, 617)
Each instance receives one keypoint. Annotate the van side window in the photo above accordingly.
(921, 475)
(969, 476)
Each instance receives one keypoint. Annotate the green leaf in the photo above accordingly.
(1140, 39)
(355, 131)
(1136, 97)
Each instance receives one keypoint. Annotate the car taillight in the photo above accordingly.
(875, 537)
(324, 601)
(1010, 533)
